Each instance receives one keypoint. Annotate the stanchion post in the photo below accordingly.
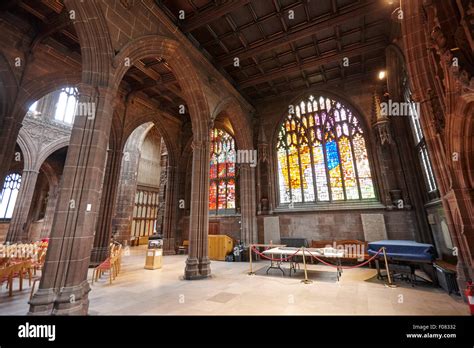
(390, 284)
(305, 280)
(250, 255)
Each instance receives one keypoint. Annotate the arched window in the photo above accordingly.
(66, 106)
(420, 145)
(11, 187)
(59, 105)
(322, 155)
(222, 173)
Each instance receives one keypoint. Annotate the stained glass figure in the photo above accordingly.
(222, 173)
(321, 154)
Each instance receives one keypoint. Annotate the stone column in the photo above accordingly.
(64, 288)
(18, 229)
(50, 209)
(198, 264)
(248, 204)
(122, 221)
(103, 231)
(162, 193)
(9, 130)
(171, 211)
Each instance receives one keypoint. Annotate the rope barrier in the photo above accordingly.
(271, 258)
(317, 258)
(346, 267)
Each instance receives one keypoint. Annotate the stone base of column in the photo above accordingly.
(168, 246)
(42, 302)
(72, 300)
(205, 267)
(192, 270)
(98, 255)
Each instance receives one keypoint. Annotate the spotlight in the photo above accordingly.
(382, 74)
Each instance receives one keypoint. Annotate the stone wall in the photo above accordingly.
(228, 225)
(340, 224)
(439, 228)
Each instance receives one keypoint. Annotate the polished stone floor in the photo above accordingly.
(231, 291)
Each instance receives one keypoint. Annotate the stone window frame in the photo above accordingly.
(421, 148)
(145, 213)
(228, 212)
(13, 180)
(370, 203)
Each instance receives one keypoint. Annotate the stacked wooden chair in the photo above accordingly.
(21, 266)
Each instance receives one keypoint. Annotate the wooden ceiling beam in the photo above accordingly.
(210, 15)
(166, 80)
(367, 8)
(147, 71)
(335, 83)
(316, 62)
(33, 11)
(57, 25)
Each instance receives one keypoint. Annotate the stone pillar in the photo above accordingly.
(122, 221)
(64, 288)
(50, 209)
(171, 211)
(18, 229)
(162, 190)
(198, 264)
(248, 204)
(9, 130)
(103, 231)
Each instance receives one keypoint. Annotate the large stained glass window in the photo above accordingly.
(222, 173)
(321, 153)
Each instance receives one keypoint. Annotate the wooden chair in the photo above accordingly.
(183, 249)
(39, 262)
(5, 277)
(12, 271)
(111, 264)
(119, 258)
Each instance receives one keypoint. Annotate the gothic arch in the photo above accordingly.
(8, 86)
(50, 174)
(50, 149)
(189, 81)
(94, 37)
(241, 123)
(362, 116)
(171, 144)
(28, 149)
(34, 90)
(362, 123)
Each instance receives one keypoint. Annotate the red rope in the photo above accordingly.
(345, 267)
(271, 258)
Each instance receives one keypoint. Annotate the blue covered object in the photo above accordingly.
(404, 250)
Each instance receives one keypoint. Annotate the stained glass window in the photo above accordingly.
(321, 154)
(9, 194)
(222, 173)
